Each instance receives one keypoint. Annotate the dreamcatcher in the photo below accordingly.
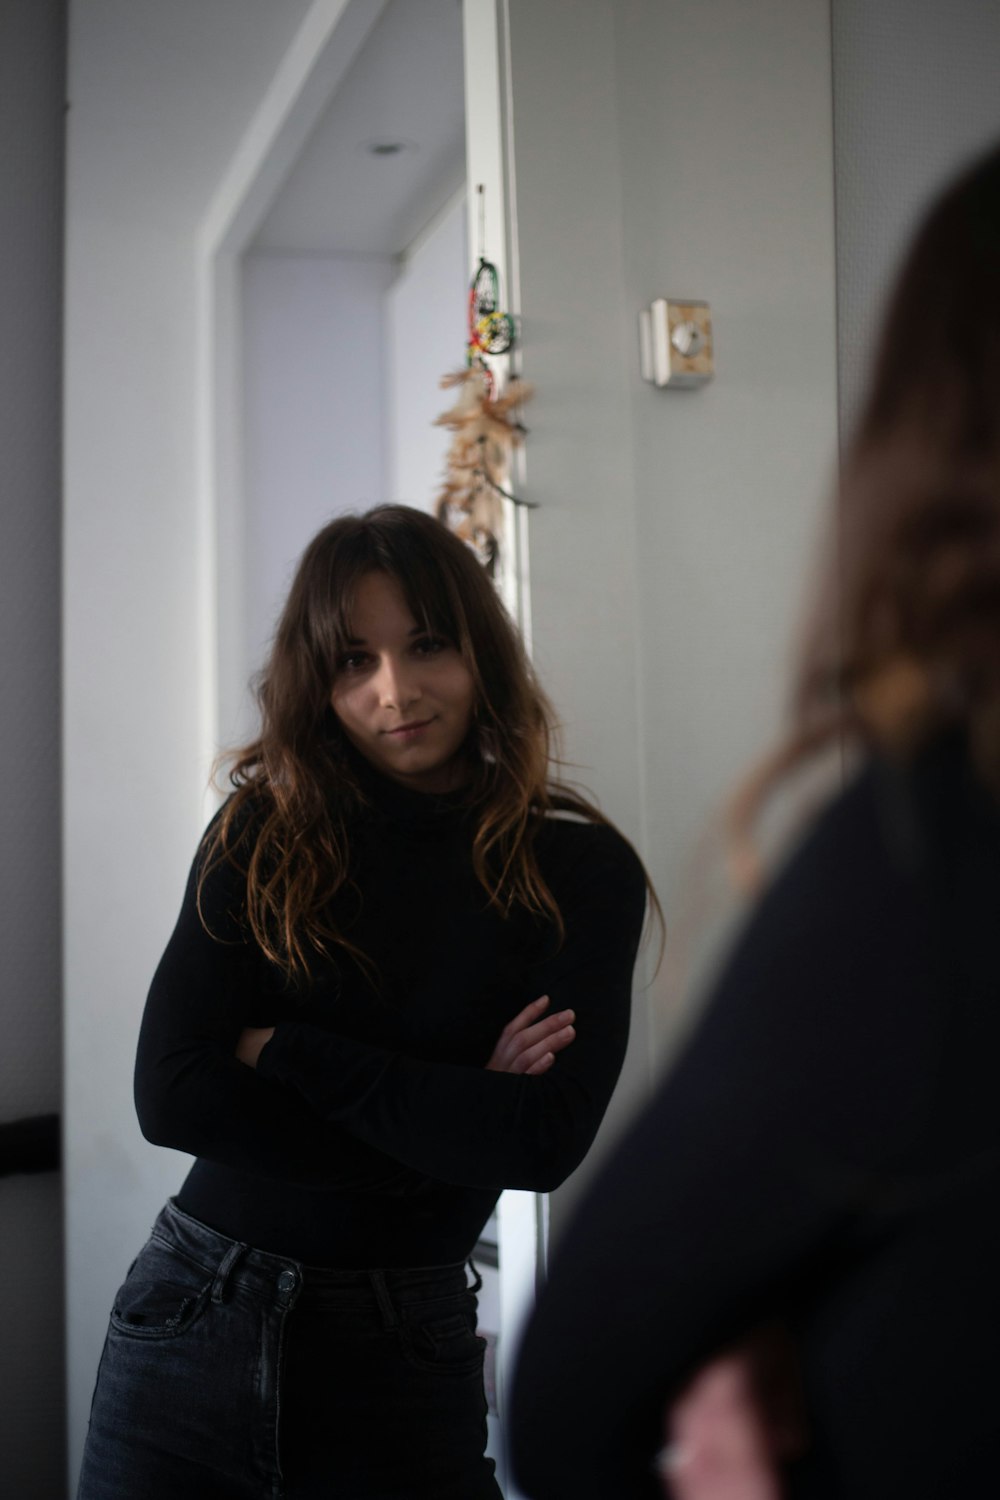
(486, 424)
(490, 330)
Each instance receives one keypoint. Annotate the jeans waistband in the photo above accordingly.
(287, 1281)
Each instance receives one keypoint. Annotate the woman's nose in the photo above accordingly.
(397, 686)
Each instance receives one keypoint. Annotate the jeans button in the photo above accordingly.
(287, 1282)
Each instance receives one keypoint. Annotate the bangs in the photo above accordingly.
(426, 583)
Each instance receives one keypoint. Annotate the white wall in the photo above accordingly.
(133, 773)
(425, 338)
(682, 151)
(577, 348)
(314, 372)
(728, 191)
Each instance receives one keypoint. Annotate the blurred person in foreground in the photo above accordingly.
(824, 1159)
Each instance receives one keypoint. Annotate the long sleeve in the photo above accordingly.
(193, 1094)
(806, 1079)
(466, 1126)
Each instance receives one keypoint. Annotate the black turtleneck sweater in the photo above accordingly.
(371, 1133)
(825, 1151)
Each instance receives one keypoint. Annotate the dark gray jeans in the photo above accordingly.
(231, 1374)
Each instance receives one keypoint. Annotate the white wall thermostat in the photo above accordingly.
(675, 343)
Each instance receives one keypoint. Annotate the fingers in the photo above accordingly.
(529, 1026)
(530, 1042)
(718, 1448)
(549, 1042)
(543, 1030)
(525, 1018)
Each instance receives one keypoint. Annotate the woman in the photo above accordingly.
(825, 1158)
(399, 983)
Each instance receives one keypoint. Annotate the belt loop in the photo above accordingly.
(383, 1298)
(227, 1265)
(477, 1280)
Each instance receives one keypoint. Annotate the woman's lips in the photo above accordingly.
(405, 731)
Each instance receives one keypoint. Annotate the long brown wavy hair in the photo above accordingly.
(295, 788)
(905, 639)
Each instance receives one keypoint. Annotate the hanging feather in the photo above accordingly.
(477, 466)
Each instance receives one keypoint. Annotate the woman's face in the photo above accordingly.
(403, 696)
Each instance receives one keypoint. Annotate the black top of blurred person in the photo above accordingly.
(825, 1152)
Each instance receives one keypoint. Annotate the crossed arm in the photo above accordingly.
(528, 1044)
(314, 1107)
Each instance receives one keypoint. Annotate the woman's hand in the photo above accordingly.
(719, 1446)
(251, 1043)
(739, 1422)
(529, 1043)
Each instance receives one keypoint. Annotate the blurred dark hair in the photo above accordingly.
(905, 637)
(295, 790)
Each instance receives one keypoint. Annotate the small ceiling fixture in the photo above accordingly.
(388, 148)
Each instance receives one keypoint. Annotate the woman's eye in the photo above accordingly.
(352, 661)
(430, 645)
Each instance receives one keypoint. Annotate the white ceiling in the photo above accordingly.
(160, 94)
(406, 85)
(162, 91)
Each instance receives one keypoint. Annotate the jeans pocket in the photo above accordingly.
(162, 1296)
(442, 1339)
